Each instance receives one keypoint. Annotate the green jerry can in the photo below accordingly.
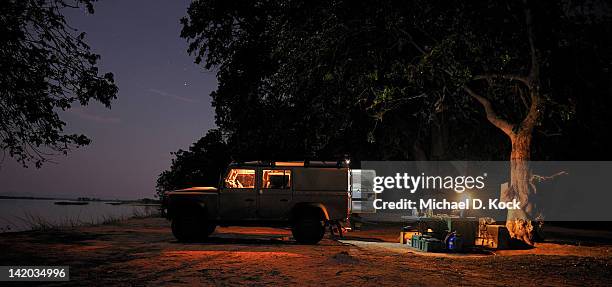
(431, 245)
(423, 238)
(415, 241)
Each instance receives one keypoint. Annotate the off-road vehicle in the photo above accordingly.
(306, 196)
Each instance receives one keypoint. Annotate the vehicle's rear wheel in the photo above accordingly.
(309, 228)
(191, 228)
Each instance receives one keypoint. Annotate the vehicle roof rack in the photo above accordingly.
(306, 163)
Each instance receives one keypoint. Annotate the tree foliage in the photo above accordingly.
(201, 165)
(46, 67)
(423, 54)
(262, 117)
(387, 79)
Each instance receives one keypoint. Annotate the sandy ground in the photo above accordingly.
(142, 252)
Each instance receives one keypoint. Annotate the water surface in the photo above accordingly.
(25, 214)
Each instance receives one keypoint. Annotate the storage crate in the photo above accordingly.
(498, 237)
(406, 236)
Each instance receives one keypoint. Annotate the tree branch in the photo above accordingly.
(510, 77)
(534, 73)
(412, 42)
(490, 112)
(533, 115)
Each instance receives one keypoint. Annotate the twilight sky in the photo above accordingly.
(162, 105)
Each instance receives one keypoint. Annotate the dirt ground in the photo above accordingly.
(142, 252)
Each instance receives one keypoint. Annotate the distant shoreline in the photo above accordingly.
(145, 201)
(32, 197)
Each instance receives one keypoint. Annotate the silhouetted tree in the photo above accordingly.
(298, 80)
(45, 67)
(262, 117)
(201, 165)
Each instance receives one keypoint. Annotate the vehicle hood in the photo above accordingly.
(195, 189)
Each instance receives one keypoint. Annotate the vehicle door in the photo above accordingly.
(275, 194)
(238, 197)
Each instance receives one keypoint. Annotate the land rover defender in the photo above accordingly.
(306, 196)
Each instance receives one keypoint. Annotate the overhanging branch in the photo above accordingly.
(490, 112)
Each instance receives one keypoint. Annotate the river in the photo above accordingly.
(26, 214)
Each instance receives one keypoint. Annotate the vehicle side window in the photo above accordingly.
(276, 179)
(240, 178)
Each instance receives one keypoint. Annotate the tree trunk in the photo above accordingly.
(520, 222)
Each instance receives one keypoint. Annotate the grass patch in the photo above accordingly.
(37, 222)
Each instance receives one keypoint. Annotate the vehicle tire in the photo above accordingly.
(308, 228)
(210, 228)
(191, 228)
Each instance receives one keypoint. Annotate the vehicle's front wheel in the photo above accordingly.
(189, 229)
(210, 228)
(308, 228)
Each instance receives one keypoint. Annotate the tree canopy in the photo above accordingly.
(46, 67)
(201, 165)
(392, 80)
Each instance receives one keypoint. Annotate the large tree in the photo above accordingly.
(441, 55)
(45, 67)
(415, 70)
(504, 56)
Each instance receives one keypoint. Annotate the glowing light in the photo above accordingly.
(288, 163)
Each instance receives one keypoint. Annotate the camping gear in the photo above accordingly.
(497, 237)
(406, 237)
(416, 240)
(467, 228)
(454, 242)
(431, 245)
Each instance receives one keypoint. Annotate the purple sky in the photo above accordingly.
(162, 105)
